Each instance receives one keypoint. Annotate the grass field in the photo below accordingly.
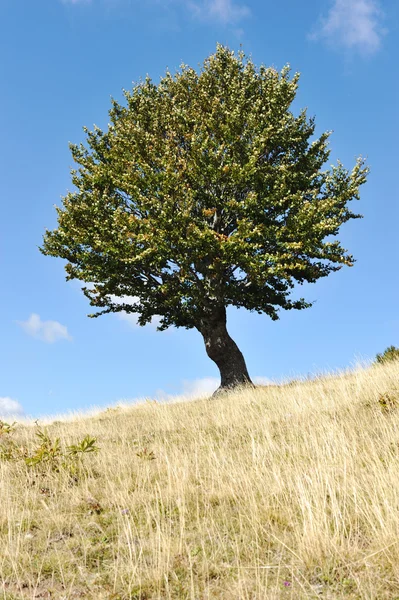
(283, 492)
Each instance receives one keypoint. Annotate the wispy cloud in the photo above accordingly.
(201, 388)
(353, 25)
(10, 408)
(131, 318)
(46, 331)
(190, 389)
(75, 1)
(260, 380)
(227, 12)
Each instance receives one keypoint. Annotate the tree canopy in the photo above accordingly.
(205, 191)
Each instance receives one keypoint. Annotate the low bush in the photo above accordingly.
(48, 452)
(391, 353)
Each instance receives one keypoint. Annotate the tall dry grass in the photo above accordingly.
(283, 492)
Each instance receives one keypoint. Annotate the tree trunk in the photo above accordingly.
(223, 350)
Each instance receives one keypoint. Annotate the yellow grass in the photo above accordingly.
(284, 492)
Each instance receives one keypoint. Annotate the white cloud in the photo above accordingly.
(227, 12)
(201, 388)
(131, 318)
(10, 407)
(194, 388)
(352, 24)
(223, 11)
(259, 380)
(47, 331)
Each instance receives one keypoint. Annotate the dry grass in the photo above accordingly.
(287, 492)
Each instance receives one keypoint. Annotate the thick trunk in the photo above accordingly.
(224, 351)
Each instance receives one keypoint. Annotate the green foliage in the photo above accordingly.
(9, 450)
(206, 191)
(6, 428)
(389, 354)
(85, 446)
(48, 452)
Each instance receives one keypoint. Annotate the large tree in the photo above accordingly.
(206, 191)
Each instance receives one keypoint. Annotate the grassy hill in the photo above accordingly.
(285, 492)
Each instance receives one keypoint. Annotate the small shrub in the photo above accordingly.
(388, 401)
(146, 454)
(88, 444)
(48, 452)
(94, 506)
(6, 429)
(9, 450)
(391, 353)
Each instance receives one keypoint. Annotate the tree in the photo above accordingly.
(205, 191)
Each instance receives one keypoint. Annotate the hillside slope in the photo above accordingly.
(282, 492)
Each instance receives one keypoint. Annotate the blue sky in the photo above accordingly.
(61, 62)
